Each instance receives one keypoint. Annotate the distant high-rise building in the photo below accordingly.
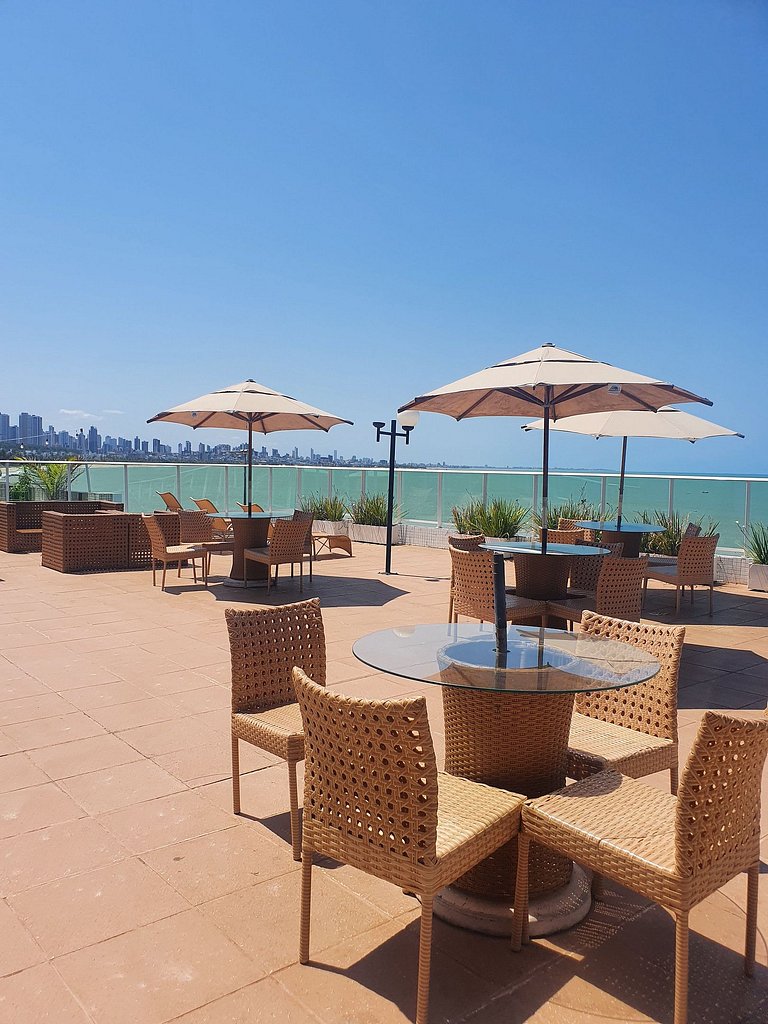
(94, 441)
(5, 424)
(137, 444)
(65, 439)
(145, 447)
(201, 448)
(188, 447)
(25, 428)
(155, 445)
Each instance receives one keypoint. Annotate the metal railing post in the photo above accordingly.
(69, 480)
(439, 500)
(399, 494)
(330, 484)
(484, 489)
(671, 509)
(362, 483)
(178, 483)
(125, 487)
(603, 496)
(226, 488)
(269, 490)
(747, 502)
(535, 500)
(298, 486)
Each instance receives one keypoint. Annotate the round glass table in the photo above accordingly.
(248, 531)
(628, 534)
(543, 577)
(507, 721)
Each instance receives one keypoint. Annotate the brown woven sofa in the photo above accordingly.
(21, 522)
(93, 542)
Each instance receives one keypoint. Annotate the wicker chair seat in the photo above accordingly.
(258, 554)
(670, 573)
(570, 608)
(594, 745)
(185, 549)
(621, 827)
(279, 731)
(471, 811)
(218, 545)
(522, 608)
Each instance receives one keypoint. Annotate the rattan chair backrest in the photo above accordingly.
(299, 515)
(620, 588)
(585, 569)
(207, 506)
(265, 644)
(563, 536)
(194, 527)
(718, 803)
(692, 530)
(466, 541)
(157, 539)
(370, 778)
(172, 503)
(287, 540)
(696, 558)
(649, 707)
(472, 573)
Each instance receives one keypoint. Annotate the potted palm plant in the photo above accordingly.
(369, 520)
(756, 548)
(329, 514)
(498, 519)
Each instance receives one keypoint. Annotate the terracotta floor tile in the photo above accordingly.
(18, 772)
(265, 1001)
(38, 996)
(158, 972)
(70, 913)
(208, 698)
(24, 810)
(105, 695)
(55, 852)
(7, 745)
(72, 674)
(32, 709)
(18, 635)
(120, 786)
(166, 821)
(264, 919)
(199, 766)
(21, 685)
(136, 713)
(18, 950)
(166, 737)
(214, 865)
(80, 757)
(186, 652)
(51, 731)
(180, 681)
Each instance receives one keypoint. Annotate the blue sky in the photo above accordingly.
(358, 202)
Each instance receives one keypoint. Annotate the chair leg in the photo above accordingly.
(711, 594)
(162, 582)
(753, 876)
(681, 968)
(520, 919)
(154, 573)
(677, 599)
(450, 607)
(295, 822)
(306, 899)
(194, 570)
(674, 780)
(269, 578)
(235, 774)
(425, 957)
(301, 576)
(645, 592)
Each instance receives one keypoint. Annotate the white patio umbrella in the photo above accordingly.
(666, 423)
(252, 407)
(553, 381)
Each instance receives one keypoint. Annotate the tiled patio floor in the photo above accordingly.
(130, 894)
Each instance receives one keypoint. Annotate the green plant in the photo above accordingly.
(53, 478)
(371, 510)
(499, 518)
(571, 508)
(333, 509)
(21, 489)
(674, 526)
(756, 542)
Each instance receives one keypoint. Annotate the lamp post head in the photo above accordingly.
(408, 419)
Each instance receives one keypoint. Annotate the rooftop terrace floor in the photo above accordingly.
(130, 893)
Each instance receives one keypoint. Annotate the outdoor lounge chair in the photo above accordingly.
(632, 729)
(222, 527)
(374, 799)
(265, 645)
(675, 851)
(695, 567)
(172, 503)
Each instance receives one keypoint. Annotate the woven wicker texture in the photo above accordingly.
(265, 645)
(472, 574)
(695, 566)
(632, 729)
(541, 577)
(373, 799)
(194, 527)
(588, 536)
(21, 522)
(675, 851)
(515, 742)
(285, 547)
(161, 529)
(90, 543)
(308, 519)
(559, 536)
(585, 569)
(619, 593)
(222, 527)
(462, 542)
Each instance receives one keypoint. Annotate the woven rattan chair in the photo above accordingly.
(472, 574)
(695, 567)
(619, 593)
(286, 547)
(308, 519)
(196, 527)
(573, 524)
(632, 729)
(172, 503)
(265, 645)
(167, 554)
(585, 569)
(559, 536)
(462, 542)
(691, 530)
(373, 798)
(222, 526)
(675, 851)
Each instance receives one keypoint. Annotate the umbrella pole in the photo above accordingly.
(250, 467)
(545, 471)
(621, 480)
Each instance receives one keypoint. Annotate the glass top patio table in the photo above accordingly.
(534, 548)
(282, 513)
(613, 527)
(538, 660)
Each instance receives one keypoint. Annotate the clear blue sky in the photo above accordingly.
(358, 202)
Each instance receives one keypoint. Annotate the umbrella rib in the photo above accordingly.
(471, 408)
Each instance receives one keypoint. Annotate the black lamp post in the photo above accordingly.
(407, 421)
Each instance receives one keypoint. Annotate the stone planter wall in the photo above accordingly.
(364, 534)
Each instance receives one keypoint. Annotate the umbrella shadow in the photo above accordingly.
(333, 591)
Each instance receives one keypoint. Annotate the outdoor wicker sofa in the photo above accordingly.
(21, 522)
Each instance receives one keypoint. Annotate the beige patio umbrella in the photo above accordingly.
(252, 407)
(555, 382)
(666, 423)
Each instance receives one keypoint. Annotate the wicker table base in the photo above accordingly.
(517, 742)
(248, 533)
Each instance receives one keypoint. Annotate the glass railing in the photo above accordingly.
(424, 496)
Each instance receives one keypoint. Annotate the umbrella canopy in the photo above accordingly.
(556, 382)
(252, 407)
(666, 423)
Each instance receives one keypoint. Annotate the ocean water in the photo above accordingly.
(428, 496)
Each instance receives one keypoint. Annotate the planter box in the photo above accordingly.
(331, 528)
(758, 577)
(373, 534)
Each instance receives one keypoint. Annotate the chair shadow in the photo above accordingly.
(334, 592)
